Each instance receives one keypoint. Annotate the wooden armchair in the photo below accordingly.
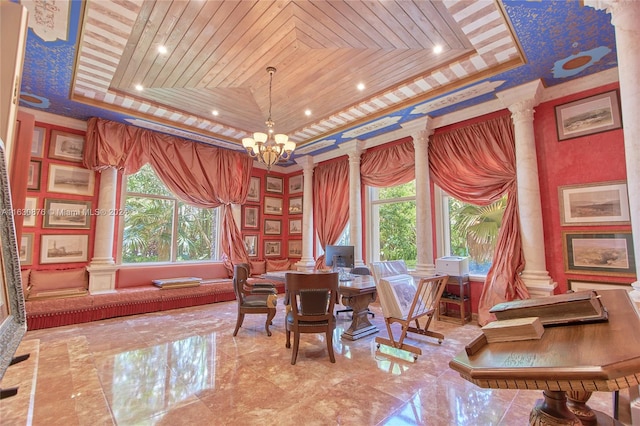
(258, 301)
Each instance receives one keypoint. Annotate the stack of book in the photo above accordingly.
(510, 330)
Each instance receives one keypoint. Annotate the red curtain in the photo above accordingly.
(330, 202)
(201, 175)
(477, 164)
(390, 166)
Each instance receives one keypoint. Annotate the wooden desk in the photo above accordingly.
(569, 362)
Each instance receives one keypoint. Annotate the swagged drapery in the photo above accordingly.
(477, 164)
(390, 166)
(198, 174)
(330, 202)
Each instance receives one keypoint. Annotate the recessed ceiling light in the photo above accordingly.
(215, 112)
(437, 48)
(307, 112)
(360, 86)
(139, 87)
(162, 50)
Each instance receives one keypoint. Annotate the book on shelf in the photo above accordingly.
(527, 328)
(569, 308)
(396, 295)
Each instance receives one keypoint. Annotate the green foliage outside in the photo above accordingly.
(398, 224)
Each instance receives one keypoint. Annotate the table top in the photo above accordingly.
(358, 285)
(600, 356)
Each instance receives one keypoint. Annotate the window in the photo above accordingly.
(392, 215)
(160, 228)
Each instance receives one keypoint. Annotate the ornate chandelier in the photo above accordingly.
(267, 147)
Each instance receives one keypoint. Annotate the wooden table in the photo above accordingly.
(567, 363)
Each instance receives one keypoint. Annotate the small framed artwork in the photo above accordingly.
(599, 253)
(253, 195)
(30, 212)
(26, 249)
(274, 185)
(272, 248)
(64, 248)
(66, 214)
(580, 285)
(295, 184)
(33, 176)
(295, 248)
(594, 204)
(37, 143)
(251, 244)
(272, 227)
(250, 217)
(295, 226)
(295, 205)
(66, 146)
(273, 205)
(71, 180)
(595, 114)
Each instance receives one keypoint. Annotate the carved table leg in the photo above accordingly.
(360, 324)
(553, 411)
(577, 404)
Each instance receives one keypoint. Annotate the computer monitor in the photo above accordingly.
(342, 255)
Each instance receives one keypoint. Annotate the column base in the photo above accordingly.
(306, 265)
(539, 283)
(102, 278)
(424, 270)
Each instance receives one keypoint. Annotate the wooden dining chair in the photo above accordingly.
(250, 301)
(312, 298)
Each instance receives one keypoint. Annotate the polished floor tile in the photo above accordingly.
(184, 367)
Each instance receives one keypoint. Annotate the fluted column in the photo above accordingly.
(521, 102)
(625, 16)
(307, 261)
(102, 269)
(354, 151)
(424, 224)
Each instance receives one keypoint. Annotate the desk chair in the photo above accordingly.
(261, 301)
(358, 270)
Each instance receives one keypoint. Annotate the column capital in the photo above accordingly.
(530, 93)
(354, 146)
(624, 13)
(306, 162)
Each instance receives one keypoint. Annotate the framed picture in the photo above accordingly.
(253, 195)
(579, 285)
(295, 184)
(33, 176)
(66, 214)
(272, 227)
(595, 114)
(37, 143)
(295, 205)
(251, 217)
(26, 249)
(274, 185)
(295, 226)
(272, 248)
(71, 180)
(64, 248)
(272, 205)
(66, 146)
(251, 244)
(594, 204)
(295, 248)
(599, 253)
(30, 211)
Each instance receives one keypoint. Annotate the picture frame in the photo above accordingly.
(37, 142)
(71, 180)
(66, 146)
(250, 217)
(253, 195)
(272, 227)
(272, 248)
(66, 214)
(605, 203)
(273, 205)
(30, 211)
(33, 176)
(587, 116)
(251, 244)
(580, 285)
(295, 205)
(65, 248)
(295, 248)
(274, 185)
(599, 253)
(26, 248)
(295, 226)
(295, 184)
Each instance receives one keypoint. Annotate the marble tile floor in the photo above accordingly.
(184, 367)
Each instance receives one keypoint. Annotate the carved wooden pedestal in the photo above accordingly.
(360, 325)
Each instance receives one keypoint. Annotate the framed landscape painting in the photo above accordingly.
(295, 184)
(594, 204)
(66, 146)
(66, 214)
(273, 205)
(295, 226)
(274, 185)
(599, 253)
(272, 227)
(250, 217)
(295, 248)
(71, 180)
(253, 195)
(272, 248)
(595, 114)
(295, 205)
(64, 248)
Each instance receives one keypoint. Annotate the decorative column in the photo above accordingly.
(521, 101)
(354, 151)
(102, 269)
(307, 262)
(424, 224)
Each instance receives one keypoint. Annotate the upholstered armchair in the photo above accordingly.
(258, 301)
